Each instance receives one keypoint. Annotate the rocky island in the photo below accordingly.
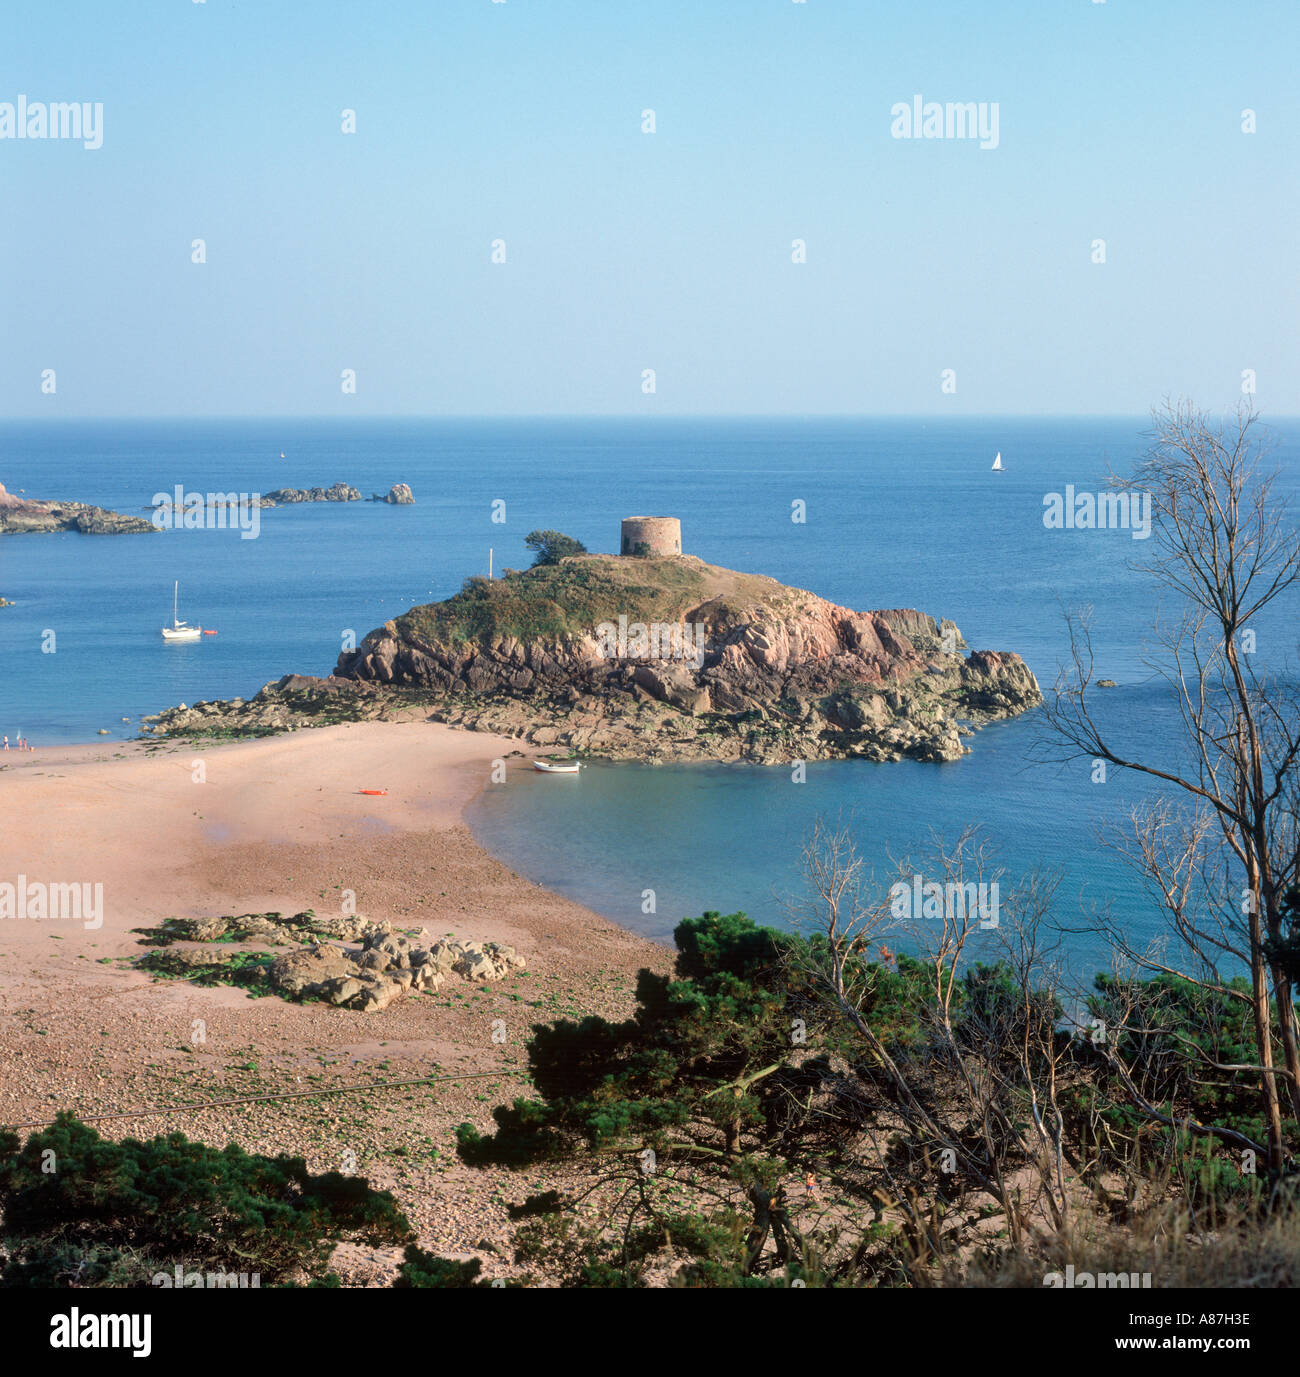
(658, 656)
(284, 497)
(21, 516)
(399, 495)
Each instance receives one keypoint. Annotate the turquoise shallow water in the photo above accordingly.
(728, 836)
(900, 513)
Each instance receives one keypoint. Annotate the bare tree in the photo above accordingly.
(1227, 550)
(982, 1096)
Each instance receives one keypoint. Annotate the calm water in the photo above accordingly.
(899, 514)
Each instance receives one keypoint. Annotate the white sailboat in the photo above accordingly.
(179, 630)
(997, 464)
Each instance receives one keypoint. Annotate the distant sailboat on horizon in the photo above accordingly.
(179, 630)
(997, 464)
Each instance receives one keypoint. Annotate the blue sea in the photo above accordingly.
(899, 513)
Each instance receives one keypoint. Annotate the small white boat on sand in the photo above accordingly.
(179, 630)
(557, 767)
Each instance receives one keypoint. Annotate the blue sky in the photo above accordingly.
(668, 251)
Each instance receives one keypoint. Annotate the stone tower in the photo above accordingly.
(651, 537)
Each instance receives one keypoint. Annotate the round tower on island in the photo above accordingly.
(651, 537)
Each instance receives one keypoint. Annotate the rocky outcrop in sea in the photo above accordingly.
(746, 669)
(399, 495)
(24, 516)
(754, 670)
(285, 497)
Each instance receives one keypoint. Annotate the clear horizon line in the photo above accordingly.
(282, 417)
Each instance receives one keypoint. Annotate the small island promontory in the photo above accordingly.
(23, 516)
(655, 655)
(27, 516)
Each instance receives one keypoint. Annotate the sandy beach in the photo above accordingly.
(280, 824)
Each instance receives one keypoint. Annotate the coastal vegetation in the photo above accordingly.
(558, 597)
(813, 1108)
(550, 547)
(81, 1210)
(804, 1107)
(1218, 849)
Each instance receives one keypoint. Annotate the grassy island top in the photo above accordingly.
(572, 597)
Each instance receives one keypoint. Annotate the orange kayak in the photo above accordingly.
(373, 791)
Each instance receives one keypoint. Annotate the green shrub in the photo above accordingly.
(550, 547)
(80, 1207)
